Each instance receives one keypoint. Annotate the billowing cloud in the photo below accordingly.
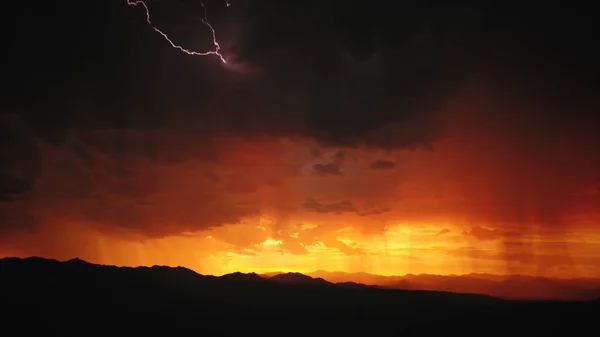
(326, 142)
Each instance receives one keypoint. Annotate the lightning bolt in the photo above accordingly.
(204, 19)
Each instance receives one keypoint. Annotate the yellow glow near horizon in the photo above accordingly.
(399, 250)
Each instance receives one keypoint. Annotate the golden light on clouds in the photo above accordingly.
(399, 250)
(484, 198)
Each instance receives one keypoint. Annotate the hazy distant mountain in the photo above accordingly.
(511, 286)
(355, 285)
(76, 297)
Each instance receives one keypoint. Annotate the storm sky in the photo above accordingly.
(393, 137)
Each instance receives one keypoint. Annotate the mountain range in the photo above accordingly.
(504, 286)
(517, 287)
(76, 297)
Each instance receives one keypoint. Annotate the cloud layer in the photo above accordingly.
(318, 126)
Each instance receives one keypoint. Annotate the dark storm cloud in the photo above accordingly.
(116, 179)
(373, 211)
(315, 205)
(20, 158)
(356, 84)
(377, 75)
(343, 72)
(382, 165)
(331, 168)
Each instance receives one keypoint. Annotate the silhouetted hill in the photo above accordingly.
(79, 298)
(299, 279)
(249, 277)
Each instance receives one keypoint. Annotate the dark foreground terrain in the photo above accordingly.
(78, 298)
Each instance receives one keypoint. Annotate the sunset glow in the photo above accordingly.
(277, 205)
(397, 251)
(432, 140)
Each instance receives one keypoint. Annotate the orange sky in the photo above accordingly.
(488, 196)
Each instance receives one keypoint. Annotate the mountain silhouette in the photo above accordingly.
(300, 279)
(249, 277)
(76, 297)
(504, 286)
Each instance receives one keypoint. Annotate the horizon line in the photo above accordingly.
(299, 272)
